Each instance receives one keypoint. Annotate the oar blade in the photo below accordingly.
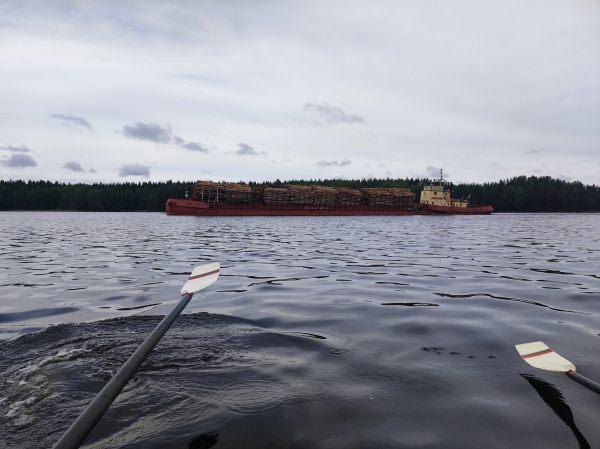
(540, 356)
(201, 277)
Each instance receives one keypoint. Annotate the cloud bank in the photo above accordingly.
(434, 172)
(74, 167)
(152, 132)
(243, 149)
(134, 170)
(463, 86)
(332, 114)
(195, 146)
(334, 163)
(20, 161)
(73, 121)
(14, 149)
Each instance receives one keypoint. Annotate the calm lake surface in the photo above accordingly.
(321, 332)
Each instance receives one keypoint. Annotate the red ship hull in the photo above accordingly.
(469, 210)
(199, 208)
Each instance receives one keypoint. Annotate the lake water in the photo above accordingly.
(321, 332)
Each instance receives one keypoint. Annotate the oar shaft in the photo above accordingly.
(584, 381)
(83, 425)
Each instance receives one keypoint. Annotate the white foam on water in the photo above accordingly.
(60, 356)
(16, 406)
(33, 390)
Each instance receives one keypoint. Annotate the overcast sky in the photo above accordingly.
(258, 90)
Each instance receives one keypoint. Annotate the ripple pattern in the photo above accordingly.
(320, 332)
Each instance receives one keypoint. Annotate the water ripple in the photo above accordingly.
(296, 350)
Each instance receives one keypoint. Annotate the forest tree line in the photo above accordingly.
(520, 194)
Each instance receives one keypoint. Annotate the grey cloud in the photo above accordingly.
(332, 114)
(147, 131)
(434, 172)
(246, 150)
(19, 149)
(536, 151)
(157, 134)
(91, 170)
(195, 146)
(134, 170)
(74, 167)
(337, 163)
(565, 178)
(176, 139)
(71, 120)
(20, 161)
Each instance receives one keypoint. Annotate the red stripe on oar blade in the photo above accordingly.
(535, 354)
(202, 275)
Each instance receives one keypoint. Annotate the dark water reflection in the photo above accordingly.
(555, 400)
(322, 332)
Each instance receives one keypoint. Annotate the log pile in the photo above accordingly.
(209, 191)
(258, 195)
(205, 191)
(323, 196)
(236, 194)
(388, 197)
(300, 195)
(346, 196)
(276, 196)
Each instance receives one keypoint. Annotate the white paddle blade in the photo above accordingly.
(202, 277)
(539, 355)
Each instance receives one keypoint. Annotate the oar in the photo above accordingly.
(539, 355)
(201, 277)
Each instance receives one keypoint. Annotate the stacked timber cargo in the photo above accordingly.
(346, 196)
(237, 194)
(205, 191)
(396, 197)
(301, 195)
(258, 195)
(209, 191)
(276, 196)
(324, 196)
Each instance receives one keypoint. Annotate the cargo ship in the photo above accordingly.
(438, 198)
(229, 199)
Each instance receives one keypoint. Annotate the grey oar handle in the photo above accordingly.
(584, 381)
(83, 425)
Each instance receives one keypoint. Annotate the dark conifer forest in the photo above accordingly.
(520, 194)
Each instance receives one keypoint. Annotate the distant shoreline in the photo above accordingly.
(520, 194)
